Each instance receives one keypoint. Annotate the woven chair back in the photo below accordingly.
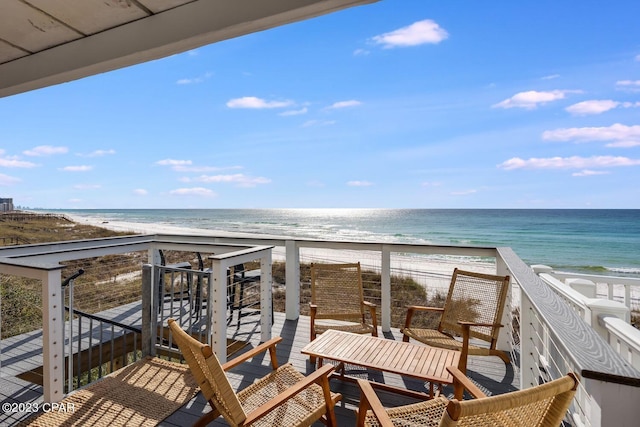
(337, 291)
(478, 298)
(206, 369)
(544, 405)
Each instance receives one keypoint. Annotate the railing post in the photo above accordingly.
(266, 300)
(148, 336)
(603, 307)
(504, 343)
(52, 332)
(528, 344)
(218, 309)
(292, 280)
(385, 289)
(612, 404)
(585, 287)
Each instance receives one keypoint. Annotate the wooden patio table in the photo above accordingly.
(413, 360)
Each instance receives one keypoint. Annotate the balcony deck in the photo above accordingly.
(490, 373)
(20, 354)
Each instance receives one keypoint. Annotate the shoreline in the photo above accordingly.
(432, 273)
(429, 272)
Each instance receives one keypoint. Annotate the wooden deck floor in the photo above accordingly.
(490, 373)
(23, 352)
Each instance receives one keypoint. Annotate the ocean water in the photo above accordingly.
(595, 241)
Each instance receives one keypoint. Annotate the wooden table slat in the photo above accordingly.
(414, 360)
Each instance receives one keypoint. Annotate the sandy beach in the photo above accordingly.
(432, 272)
(428, 271)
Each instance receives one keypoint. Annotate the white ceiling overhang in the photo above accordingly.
(46, 42)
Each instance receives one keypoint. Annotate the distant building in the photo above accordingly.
(6, 205)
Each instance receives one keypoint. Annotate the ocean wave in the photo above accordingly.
(624, 270)
(598, 269)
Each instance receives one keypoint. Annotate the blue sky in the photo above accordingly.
(398, 104)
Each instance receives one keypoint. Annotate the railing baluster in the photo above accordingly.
(100, 353)
(124, 349)
(112, 349)
(90, 351)
(79, 348)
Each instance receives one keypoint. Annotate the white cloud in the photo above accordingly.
(628, 85)
(7, 180)
(431, 184)
(620, 135)
(418, 33)
(359, 183)
(194, 80)
(87, 186)
(140, 192)
(317, 184)
(239, 179)
(196, 191)
(638, 58)
(80, 168)
(574, 162)
(100, 153)
(303, 110)
(589, 172)
(15, 163)
(361, 52)
(45, 150)
(550, 77)
(256, 103)
(173, 163)
(345, 104)
(531, 99)
(592, 107)
(624, 144)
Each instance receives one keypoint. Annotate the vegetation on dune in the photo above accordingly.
(22, 298)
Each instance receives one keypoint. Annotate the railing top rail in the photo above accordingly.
(37, 249)
(423, 248)
(105, 320)
(598, 278)
(574, 296)
(590, 353)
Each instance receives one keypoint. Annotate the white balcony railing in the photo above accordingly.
(608, 316)
(546, 336)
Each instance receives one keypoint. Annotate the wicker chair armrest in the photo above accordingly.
(369, 400)
(423, 308)
(372, 312)
(269, 345)
(488, 325)
(319, 376)
(369, 304)
(413, 308)
(461, 382)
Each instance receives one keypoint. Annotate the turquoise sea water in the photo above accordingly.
(597, 241)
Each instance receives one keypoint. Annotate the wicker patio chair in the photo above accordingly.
(473, 309)
(284, 397)
(543, 405)
(337, 295)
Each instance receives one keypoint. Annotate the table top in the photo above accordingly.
(414, 360)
